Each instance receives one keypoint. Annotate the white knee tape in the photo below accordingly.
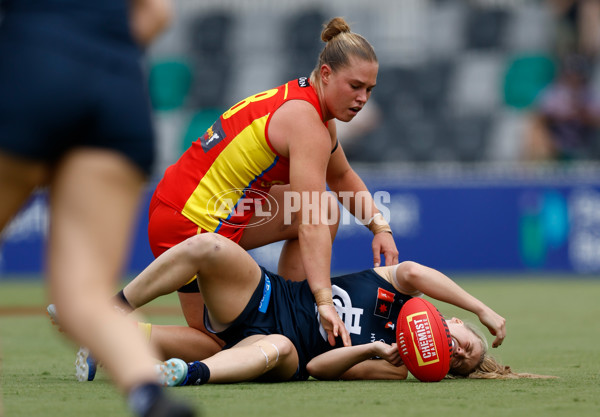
(272, 357)
(266, 356)
(277, 350)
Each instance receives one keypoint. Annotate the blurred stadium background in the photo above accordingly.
(443, 133)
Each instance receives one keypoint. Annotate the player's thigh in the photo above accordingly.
(18, 179)
(284, 220)
(227, 276)
(89, 238)
(192, 306)
(282, 224)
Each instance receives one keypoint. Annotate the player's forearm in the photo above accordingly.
(437, 285)
(315, 249)
(333, 364)
(358, 200)
(354, 195)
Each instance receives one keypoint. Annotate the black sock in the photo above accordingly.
(143, 397)
(150, 400)
(198, 374)
(121, 301)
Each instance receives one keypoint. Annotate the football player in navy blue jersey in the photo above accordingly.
(270, 329)
(75, 115)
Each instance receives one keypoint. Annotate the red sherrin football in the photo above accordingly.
(423, 340)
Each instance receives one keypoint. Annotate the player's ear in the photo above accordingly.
(325, 73)
(456, 320)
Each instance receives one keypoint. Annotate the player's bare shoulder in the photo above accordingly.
(296, 122)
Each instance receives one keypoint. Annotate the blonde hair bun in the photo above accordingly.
(333, 28)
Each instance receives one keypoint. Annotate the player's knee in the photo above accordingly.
(271, 354)
(275, 350)
(284, 345)
(203, 247)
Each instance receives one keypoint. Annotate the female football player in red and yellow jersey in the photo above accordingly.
(278, 147)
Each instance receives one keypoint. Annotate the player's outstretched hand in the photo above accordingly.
(333, 325)
(495, 323)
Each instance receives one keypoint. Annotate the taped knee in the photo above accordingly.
(271, 354)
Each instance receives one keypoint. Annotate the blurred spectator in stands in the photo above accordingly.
(578, 26)
(565, 116)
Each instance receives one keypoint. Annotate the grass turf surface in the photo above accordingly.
(553, 328)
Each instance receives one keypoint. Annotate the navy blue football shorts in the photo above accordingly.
(62, 86)
(265, 314)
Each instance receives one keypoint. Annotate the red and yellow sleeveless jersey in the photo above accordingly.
(219, 182)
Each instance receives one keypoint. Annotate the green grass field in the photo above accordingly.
(553, 328)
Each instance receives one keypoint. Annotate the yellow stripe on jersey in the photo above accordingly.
(222, 186)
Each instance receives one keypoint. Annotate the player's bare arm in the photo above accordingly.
(410, 277)
(376, 360)
(298, 127)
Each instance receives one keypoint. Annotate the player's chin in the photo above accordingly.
(347, 115)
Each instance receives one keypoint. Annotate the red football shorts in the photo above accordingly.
(167, 227)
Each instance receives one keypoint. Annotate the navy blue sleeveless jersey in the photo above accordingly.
(367, 303)
(71, 75)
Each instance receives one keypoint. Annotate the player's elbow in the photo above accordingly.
(320, 372)
(410, 272)
(410, 269)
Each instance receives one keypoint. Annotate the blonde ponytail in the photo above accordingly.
(490, 368)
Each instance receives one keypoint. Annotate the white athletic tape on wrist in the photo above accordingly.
(379, 225)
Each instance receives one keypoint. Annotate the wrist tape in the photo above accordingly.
(324, 297)
(377, 224)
